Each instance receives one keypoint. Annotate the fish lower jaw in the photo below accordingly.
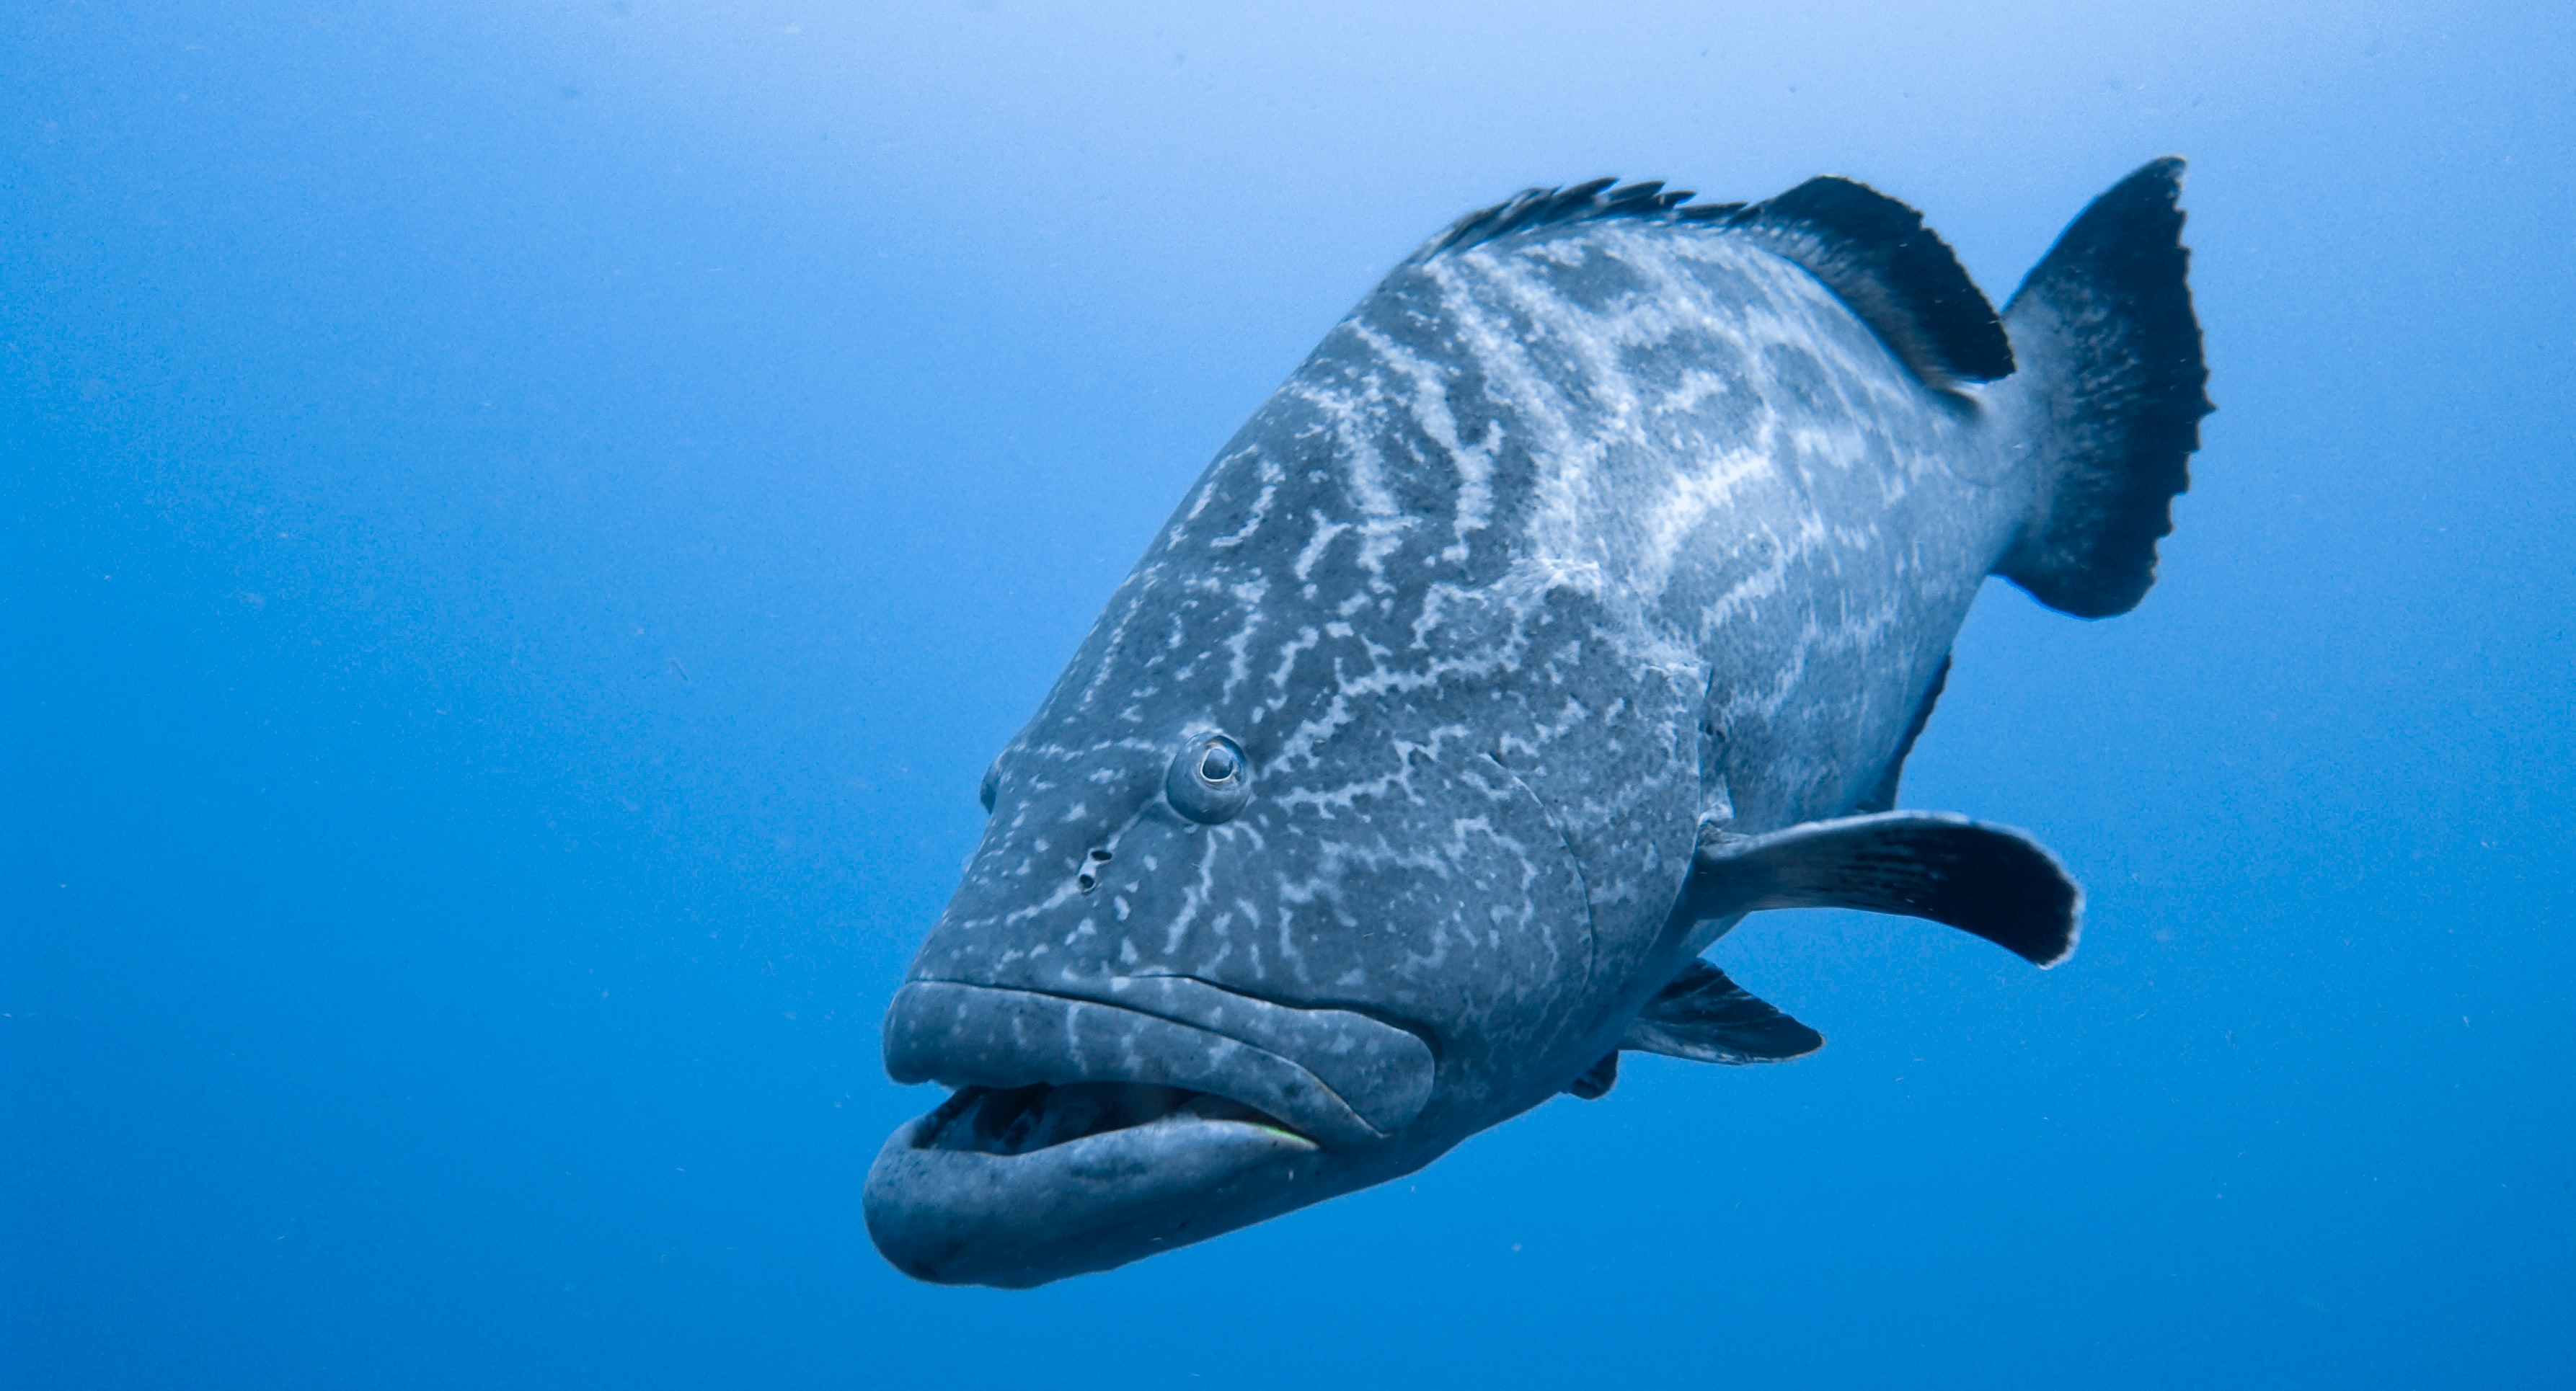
(1005, 1188)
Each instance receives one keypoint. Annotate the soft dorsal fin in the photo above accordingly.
(1707, 1018)
(1870, 250)
(1901, 279)
(1990, 881)
(1883, 796)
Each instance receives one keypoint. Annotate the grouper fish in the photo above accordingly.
(1582, 593)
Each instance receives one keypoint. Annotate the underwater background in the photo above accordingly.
(525, 523)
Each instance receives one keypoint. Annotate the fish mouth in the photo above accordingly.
(1090, 1129)
(1023, 1120)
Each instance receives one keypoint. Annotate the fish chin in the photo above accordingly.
(1017, 1187)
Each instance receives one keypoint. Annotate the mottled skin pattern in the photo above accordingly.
(1561, 547)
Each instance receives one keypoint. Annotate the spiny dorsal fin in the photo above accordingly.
(1989, 881)
(1902, 280)
(1707, 1018)
(1584, 202)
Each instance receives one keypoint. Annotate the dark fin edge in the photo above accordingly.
(1883, 797)
(1987, 881)
(1705, 1017)
(2118, 392)
(1871, 250)
(1899, 276)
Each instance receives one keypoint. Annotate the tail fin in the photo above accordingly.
(2111, 389)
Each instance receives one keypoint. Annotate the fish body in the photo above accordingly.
(1580, 593)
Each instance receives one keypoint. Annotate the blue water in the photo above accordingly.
(525, 524)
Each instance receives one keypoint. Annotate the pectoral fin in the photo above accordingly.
(1986, 880)
(1707, 1018)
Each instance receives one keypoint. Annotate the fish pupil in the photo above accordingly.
(1218, 765)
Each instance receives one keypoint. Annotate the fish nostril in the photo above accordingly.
(1100, 856)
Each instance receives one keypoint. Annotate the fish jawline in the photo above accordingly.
(963, 1217)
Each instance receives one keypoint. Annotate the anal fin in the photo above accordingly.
(1598, 1079)
(1989, 881)
(1707, 1018)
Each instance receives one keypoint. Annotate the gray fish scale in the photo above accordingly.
(1593, 520)
(1579, 595)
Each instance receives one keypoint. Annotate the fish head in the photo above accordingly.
(1214, 960)
(1338, 840)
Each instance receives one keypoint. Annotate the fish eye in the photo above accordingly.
(1210, 780)
(991, 791)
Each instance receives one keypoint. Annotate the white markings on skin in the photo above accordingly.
(1379, 538)
(1555, 443)
(1270, 477)
(1633, 455)
(1474, 464)
(1354, 429)
(1290, 650)
(1114, 620)
(1699, 493)
(1239, 646)
(1316, 544)
(1219, 474)
(1194, 897)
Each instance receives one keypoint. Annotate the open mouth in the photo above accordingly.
(1127, 1052)
(1021, 1120)
(1099, 1122)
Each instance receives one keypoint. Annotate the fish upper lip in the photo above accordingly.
(1333, 1076)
